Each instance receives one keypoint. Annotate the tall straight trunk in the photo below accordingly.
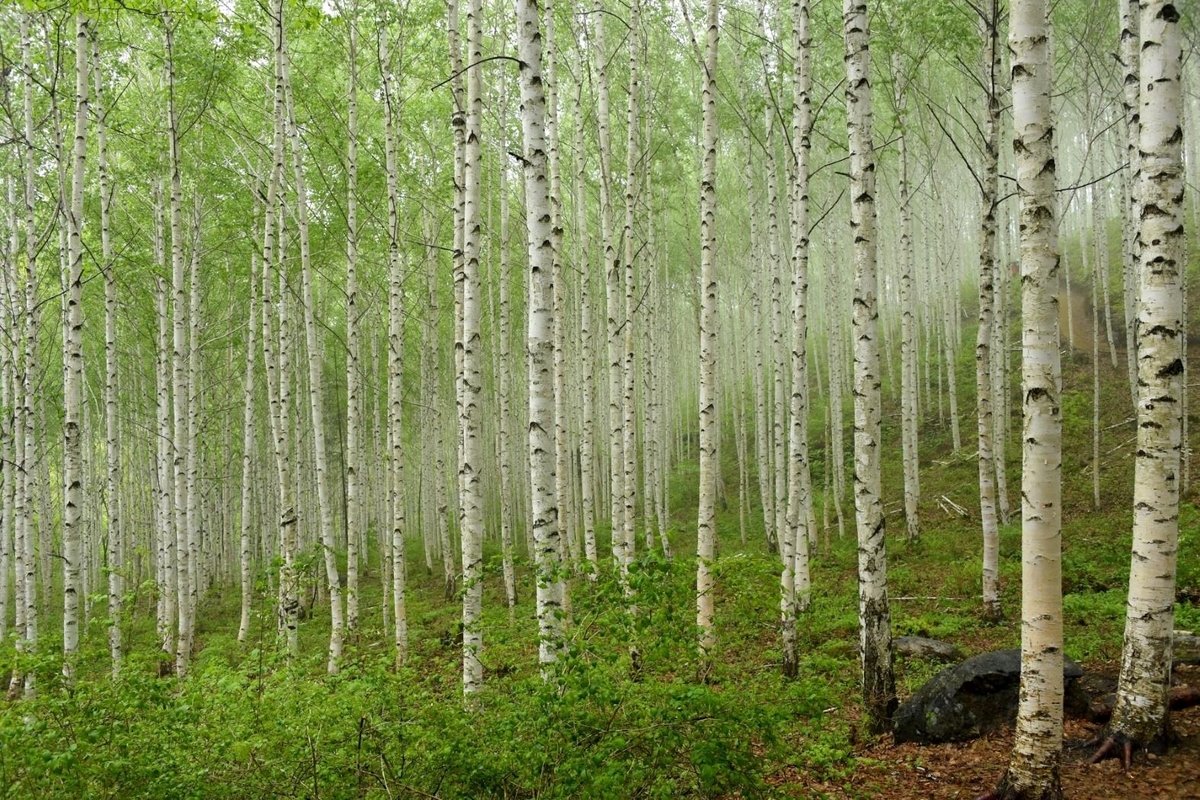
(115, 551)
(616, 426)
(316, 380)
(395, 361)
(879, 685)
(1131, 242)
(504, 381)
(8, 367)
(632, 160)
(766, 486)
(471, 461)
(709, 419)
(24, 351)
(909, 411)
(587, 478)
(1033, 770)
(539, 217)
(183, 566)
(278, 362)
(1140, 712)
(562, 454)
(168, 588)
(983, 339)
(354, 526)
(72, 525)
(249, 442)
(458, 124)
(795, 584)
(779, 363)
(999, 384)
(193, 464)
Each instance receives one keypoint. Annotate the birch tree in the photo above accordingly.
(73, 360)
(1140, 713)
(706, 525)
(470, 490)
(879, 684)
(114, 555)
(1033, 770)
(983, 341)
(540, 337)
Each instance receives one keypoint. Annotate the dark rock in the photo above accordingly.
(929, 649)
(967, 701)
(1185, 647)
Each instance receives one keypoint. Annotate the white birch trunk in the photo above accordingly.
(539, 218)
(471, 462)
(115, 551)
(1140, 712)
(1033, 768)
(795, 597)
(984, 338)
(616, 441)
(248, 446)
(72, 522)
(879, 686)
(354, 524)
(709, 419)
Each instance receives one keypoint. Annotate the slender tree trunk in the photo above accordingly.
(1131, 243)
(471, 462)
(73, 552)
(879, 685)
(395, 383)
(984, 338)
(800, 513)
(249, 444)
(539, 218)
(1140, 713)
(616, 442)
(909, 411)
(504, 379)
(354, 526)
(709, 419)
(1033, 770)
(587, 478)
(183, 565)
(278, 363)
(115, 554)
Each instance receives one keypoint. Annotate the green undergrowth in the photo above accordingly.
(246, 723)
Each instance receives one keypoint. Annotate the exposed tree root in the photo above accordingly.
(1114, 746)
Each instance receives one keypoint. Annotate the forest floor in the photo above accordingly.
(249, 723)
(955, 771)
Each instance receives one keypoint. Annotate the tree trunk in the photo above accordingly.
(1131, 243)
(354, 526)
(539, 218)
(709, 419)
(395, 360)
(72, 522)
(1140, 713)
(1033, 770)
(616, 442)
(984, 338)
(471, 462)
(115, 553)
(879, 685)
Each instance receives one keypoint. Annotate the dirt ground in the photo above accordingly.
(912, 772)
